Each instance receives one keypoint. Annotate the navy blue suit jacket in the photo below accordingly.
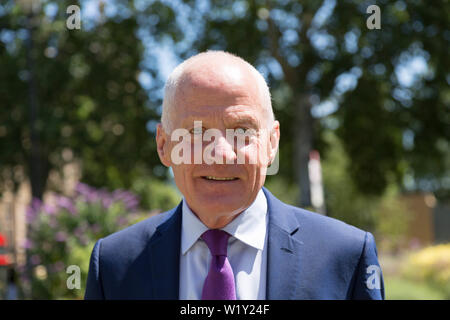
(309, 256)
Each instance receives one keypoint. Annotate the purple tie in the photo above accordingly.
(219, 283)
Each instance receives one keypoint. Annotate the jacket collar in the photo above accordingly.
(164, 257)
(283, 256)
(284, 250)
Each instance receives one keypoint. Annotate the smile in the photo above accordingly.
(219, 179)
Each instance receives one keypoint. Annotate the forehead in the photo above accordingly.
(207, 90)
(227, 116)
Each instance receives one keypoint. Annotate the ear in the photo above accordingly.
(274, 141)
(162, 144)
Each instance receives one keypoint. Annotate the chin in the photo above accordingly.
(231, 204)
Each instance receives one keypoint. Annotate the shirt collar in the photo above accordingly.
(191, 228)
(249, 227)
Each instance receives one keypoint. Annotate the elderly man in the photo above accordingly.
(229, 238)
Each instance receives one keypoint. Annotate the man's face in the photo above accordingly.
(223, 98)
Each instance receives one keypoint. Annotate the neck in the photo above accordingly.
(217, 222)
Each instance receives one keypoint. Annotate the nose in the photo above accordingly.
(223, 152)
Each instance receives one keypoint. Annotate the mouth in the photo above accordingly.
(213, 178)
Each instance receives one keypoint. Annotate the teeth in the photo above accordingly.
(217, 178)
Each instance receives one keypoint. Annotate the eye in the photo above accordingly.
(241, 130)
(245, 131)
(197, 130)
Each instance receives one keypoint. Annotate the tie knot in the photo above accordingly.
(217, 241)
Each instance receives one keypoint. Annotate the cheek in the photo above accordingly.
(182, 152)
(183, 177)
(255, 153)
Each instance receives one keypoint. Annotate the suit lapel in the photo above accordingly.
(284, 253)
(164, 257)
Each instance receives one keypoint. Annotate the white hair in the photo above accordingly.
(175, 77)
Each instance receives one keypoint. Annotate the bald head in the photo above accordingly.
(213, 70)
(217, 134)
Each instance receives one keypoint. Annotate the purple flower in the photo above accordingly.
(30, 214)
(82, 189)
(90, 194)
(122, 221)
(121, 194)
(27, 244)
(36, 203)
(96, 228)
(49, 209)
(107, 200)
(61, 236)
(118, 194)
(131, 205)
(53, 223)
(67, 204)
(57, 266)
(103, 193)
(35, 259)
(33, 210)
(80, 233)
(84, 240)
(92, 197)
(130, 200)
(21, 268)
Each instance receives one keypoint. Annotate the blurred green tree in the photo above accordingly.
(384, 92)
(384, 215)
(89, 104)
(393, 120)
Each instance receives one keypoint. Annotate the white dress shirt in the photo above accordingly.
(247, 252)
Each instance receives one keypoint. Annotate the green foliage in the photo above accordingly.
(430, 265)
(156, 194)
(64, 231)
(399, 288)
(88, 98)
(281, 189)
(392, 219)
(90, 101)
(323, 50)
(343, 198)
(386, 215)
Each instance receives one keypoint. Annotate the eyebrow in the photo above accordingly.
(230, 121)
(246, 119)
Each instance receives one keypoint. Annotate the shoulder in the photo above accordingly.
(332, 226)
(131, 241)
(337, 258)
(314, 228)
(328, 227)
